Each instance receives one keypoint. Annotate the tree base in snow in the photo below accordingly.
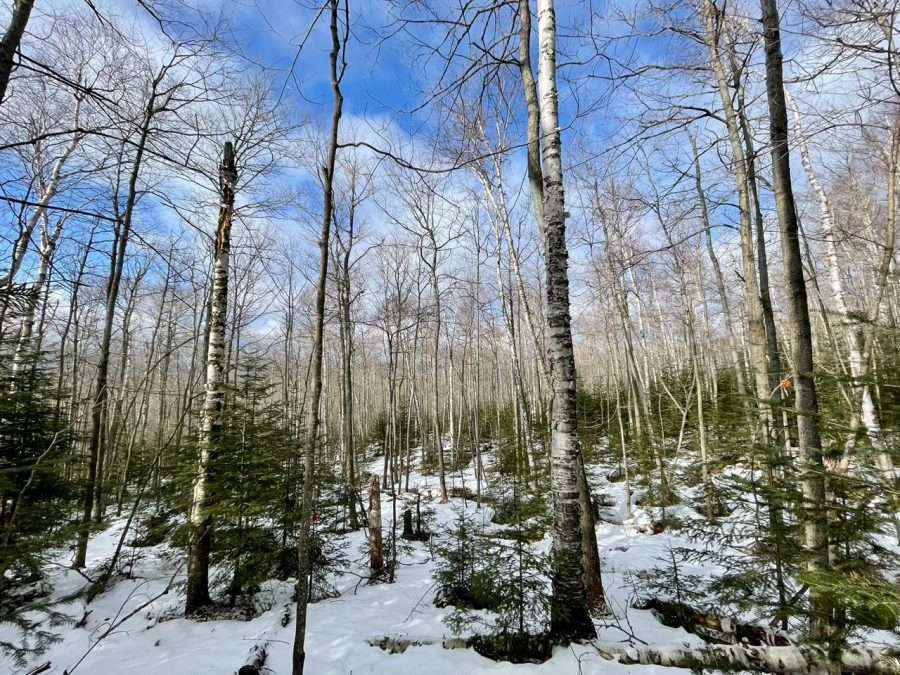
(513, 647)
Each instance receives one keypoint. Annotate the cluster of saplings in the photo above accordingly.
(741, 527)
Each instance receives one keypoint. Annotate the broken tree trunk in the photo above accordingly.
(201, 522)
(376, 552)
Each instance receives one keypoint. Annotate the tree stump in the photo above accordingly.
(407, 525)
(376, 552)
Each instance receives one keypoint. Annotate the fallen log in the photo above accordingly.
(798, 659)
(512, 648)
(398, 645)
(256, 660)
(793, 660)
(711, 628)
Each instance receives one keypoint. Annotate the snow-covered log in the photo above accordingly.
(256, 660)
(714, 629)
(729, 658)
(761, 659)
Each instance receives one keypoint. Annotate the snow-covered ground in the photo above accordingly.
(156, 640)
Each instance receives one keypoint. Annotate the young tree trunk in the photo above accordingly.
(304, 536)
(197, 592)
(569, 612)
(815, 513)
(70, 321)
(117, 263)
(346, 344)
(756, 332)
(736, 357)
(109, 448)
(476, 411)
(435, 372)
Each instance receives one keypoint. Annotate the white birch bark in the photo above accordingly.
(47, 194)
(24, 345)
(852, 318)
(569, 613)
(765, 659)
(197, 593)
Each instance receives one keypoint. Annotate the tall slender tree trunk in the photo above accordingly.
(117, 262)
(760, 335)
(590, 555)
(569, 611)
(305, 534)
(852, 318)
(435, 374)
(201, 523)
(476, 403)
(736, 358)
(346, 340)
(756, 332)
(815, 512)
(70, 320)
(109, 448)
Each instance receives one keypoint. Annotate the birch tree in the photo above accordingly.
(197, 593)
(569, 615)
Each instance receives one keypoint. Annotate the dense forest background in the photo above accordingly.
(457, 295)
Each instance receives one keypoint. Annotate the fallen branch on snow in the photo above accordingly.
(118, 620)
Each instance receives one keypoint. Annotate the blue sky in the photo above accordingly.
(389, 77)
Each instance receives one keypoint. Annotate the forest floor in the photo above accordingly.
(155, 639)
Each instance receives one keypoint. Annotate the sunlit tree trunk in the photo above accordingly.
(853, 318)
(25, 344)
(201, 523)
(304, 536)
(117, 262)
(806, 405)
(569, 612)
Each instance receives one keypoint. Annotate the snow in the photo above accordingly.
(157, 640)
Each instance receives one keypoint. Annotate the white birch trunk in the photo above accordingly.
(197, 594)
(569, 613)
(48, 193)
(24, 345)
